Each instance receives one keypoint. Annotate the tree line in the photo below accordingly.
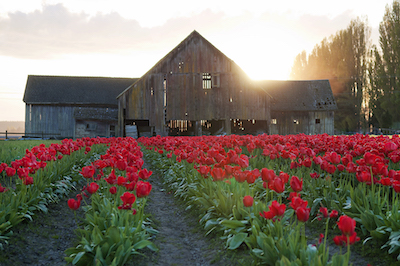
(365, 79)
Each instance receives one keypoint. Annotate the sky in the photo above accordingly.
(125, 38)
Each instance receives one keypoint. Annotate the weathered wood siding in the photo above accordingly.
(87, 128)
(182, 72)
(49, 119)
(307, 122)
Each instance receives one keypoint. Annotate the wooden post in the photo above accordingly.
(227, 126)
(6, 134)
(197, 128)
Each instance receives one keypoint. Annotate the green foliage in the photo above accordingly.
(50, 185)
(109, 236)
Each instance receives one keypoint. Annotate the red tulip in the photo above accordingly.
(145, 174)
(127, 200)
(113, 190)
(74, 204)
(218, 174)
(267, 215)
(267, 174)
(298, 202)
(347, 225)
(390, 146)
(112, 178)
(248, 201)
(10, 171)
(396, 186)
(121, 180)
(121, 165)
(333, 214)
(143, 189)
(92, 188)
(303, 214)
(314, 175)
(88, 171)
(296, 184)
(321, 237)
(277, 209)
(3, 189)
(277, 185)
(324, 211)
(204, 170)
(344, 239)
(338, 241)
(28, 180)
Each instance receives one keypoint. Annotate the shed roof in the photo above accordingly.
(74, 90)
(299, 95)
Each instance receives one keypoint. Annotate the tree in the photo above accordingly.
(342, 59)
(384, 92)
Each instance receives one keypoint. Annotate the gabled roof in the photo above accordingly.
(191, 37)
(74, 90)
(299, 95)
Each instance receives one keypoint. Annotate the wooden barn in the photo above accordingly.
(195, 89)
(72, 107)
(300, 106)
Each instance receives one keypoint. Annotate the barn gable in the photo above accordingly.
(193, 84)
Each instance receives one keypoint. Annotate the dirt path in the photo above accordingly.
(180, 240)
(42, 242)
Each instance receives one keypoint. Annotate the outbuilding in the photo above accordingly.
(72, 107)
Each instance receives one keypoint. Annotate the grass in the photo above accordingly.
(11, 150)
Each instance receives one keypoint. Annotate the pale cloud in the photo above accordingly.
(55, 31)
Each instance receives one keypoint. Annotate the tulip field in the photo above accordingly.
(262, 194)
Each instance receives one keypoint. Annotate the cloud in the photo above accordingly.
(55, 31)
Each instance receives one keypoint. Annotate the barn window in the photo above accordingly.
(91, 126)
(30, 112)
(206, 81)
(112, 130)
(317, 121)
(215, 81)
(273, 121)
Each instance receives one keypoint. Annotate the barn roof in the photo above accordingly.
(193, 36)
(74, 90)
(299, 95)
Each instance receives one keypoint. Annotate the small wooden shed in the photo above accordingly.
(72, 107)
(195, 89)
(300, 106)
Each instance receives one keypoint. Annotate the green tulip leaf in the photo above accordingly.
(237, 240)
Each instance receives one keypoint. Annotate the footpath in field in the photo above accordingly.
(42, 242)
(180, 239)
